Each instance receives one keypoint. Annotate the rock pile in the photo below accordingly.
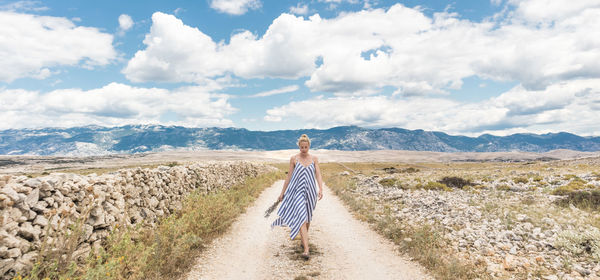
(36, 211)
(511, 233)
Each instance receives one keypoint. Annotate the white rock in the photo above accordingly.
(25, 263)
(11, 241)
(27, 231)
(509, 263)
(82, 252)
(6, 265)
(581, 270)
(11, 193)
(530, 248)
(33, 183)
(3, 252)
(14, 253)
(548, 221)
(522, 217)
(33, 197)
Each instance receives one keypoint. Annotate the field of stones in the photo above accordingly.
(525, 220)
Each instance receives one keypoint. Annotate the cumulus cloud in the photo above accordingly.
(125, 23)
(235, 7)
(112, 105)
(397, 47)
(32, 45)
(567, 106)
(543, 10)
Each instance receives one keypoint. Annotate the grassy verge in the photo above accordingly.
(423, 244)
(163, 252)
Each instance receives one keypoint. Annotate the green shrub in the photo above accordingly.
(410, 170)
(503, 187)
(582, 199)
(431, 185)
(575, 185)
(455, 182)
(388, 182)
(570, 176)
(521, 179)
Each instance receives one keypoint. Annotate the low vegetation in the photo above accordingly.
(424, 244)
(455, 182)
(582, 199)
(518, 205)
(163, 252)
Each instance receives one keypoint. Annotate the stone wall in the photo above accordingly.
(37, 211)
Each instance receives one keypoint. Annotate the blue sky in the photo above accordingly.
(462, 67)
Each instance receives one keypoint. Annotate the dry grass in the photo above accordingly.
(531, 185)
(588, 200)
(423, 244)
(165, 251)
(576, 184)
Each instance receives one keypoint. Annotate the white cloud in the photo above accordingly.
(300, 9)
(24, 6)
(339, 1)
(32, 44)
(569, 106)
(112, 105)
(398, 47)
(125, 23)
(175, 52)
(546, 10)
(287, 89)
(178, 53)
(235, 7)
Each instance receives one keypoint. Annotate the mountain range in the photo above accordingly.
(97, 140)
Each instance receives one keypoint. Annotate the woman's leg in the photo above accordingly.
(304, 237)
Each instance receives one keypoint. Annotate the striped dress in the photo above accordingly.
(299, 200)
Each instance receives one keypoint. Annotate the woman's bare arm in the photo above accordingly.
(318, 175)
(289, 177)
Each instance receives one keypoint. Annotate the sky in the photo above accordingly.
(461, 67)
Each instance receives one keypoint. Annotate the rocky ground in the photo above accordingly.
(38, 213)
(507, 221)
(19, 165)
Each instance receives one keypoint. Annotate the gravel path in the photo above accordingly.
(341, 248)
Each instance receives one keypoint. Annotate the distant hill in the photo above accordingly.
(96, 140)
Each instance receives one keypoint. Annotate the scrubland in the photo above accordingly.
(486, 220)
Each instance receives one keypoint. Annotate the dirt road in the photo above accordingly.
(341, 248)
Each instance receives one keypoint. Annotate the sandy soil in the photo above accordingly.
(39, 164)
(341, 248)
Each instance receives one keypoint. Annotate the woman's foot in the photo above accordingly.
(306, 255)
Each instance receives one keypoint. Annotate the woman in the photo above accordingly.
(299, 193)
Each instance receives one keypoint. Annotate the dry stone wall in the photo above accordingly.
(37, 211)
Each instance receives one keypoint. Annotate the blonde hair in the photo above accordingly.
(303, 138)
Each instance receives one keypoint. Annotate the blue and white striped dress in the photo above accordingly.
(299, 200)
